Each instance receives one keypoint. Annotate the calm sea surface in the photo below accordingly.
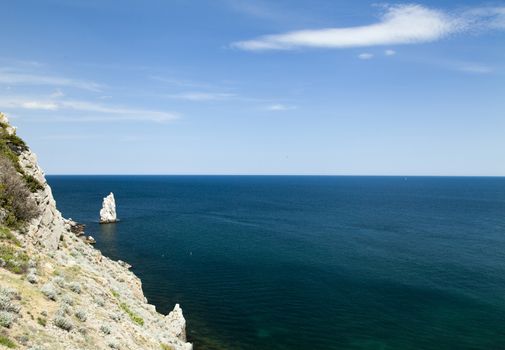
(312, 263)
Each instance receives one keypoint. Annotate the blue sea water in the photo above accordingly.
(275, 262)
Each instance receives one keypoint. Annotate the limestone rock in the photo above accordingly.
(108, 211)
(176, 323)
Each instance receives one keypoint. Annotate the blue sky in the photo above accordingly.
(257, 87)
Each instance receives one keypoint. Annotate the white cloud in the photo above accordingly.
(99, 112)
(9, 76)
(201, 96)
(190, 84)
(399, 24)
(278, 107)
(365, 56)
(390, 52)
(48, 106)
(474, 68)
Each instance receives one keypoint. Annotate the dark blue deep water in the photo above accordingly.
(310, 263)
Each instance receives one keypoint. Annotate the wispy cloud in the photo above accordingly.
(47, 106)
(57, 93)
(390, 52)
(198, 96)
(185, 83)
(87, 111)
(278, 107)
(399, 24)
(13, 77)
(269, 11)
(473, 68)
(365, 56)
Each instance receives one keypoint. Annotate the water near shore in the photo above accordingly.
(270, 263)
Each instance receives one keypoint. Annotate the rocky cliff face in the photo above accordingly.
(64, 294)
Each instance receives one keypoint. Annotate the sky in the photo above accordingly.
(257, 87)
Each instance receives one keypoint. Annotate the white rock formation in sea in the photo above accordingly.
(88, 300)
(108, 212)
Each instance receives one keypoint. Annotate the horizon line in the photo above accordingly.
(286, 175)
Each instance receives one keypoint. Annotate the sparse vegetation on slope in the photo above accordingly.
(63, 299)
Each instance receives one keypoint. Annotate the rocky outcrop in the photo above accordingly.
(73, 297)
(108, 212)
(176, 323)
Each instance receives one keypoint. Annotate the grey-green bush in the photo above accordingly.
(49, 291)
(6, 319)
(63, 323)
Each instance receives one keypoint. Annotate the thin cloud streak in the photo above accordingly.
(365, 56)
(197, 96)
(101, 112)
(278, 107)
(8, 76)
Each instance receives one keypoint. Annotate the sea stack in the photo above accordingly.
(108, 211)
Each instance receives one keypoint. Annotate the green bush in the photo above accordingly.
(133, 316)
(13, 258)
(7, 235)
(42, 321)
(7, 342)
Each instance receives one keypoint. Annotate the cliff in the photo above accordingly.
(57, 291)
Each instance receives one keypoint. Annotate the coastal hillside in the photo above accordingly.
(56, 290)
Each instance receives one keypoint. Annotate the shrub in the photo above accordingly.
(7, 342)
(133, 316)
(105, 329)
(100, 301)
(64, 310)
(60, 281)
(7, 305)
(67, 299)
(116, 317)
(113, 345)
(32, 263)
(75, 287)
(6, 319)
(15, 195)
(15, 260)
(42, 321)
(7, 235)
(33, 184)
(63, 323)
(32, 278)
(49, 291)
(81, 315)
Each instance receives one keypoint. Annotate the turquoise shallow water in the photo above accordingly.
(310, 262)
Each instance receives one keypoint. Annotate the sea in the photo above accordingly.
(310, 262)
